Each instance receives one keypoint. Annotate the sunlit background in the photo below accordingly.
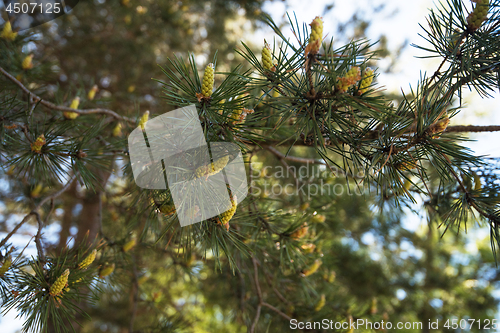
(397, 24)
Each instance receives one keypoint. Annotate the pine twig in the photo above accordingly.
(16, 228)
(437, 72)
(38, 238)
(53, 106)
(472, 128)
(35, 210)
(261, 299)
(469, 197)
(287, 317)
(256, 319)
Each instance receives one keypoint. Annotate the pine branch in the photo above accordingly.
(38, 239)
(309, 61)
(259, 295)
(473, 128)
(369, 134)
(256, 319)
(285, 316)
(261, 299)
(25, 219)
(50, 105)
(35, 210)
(470, 199)
(437, 72)
(276, 291)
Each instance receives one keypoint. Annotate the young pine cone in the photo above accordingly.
(350, 79)
(213, 168)
(6, 265)
(28, 62)
(228, 215)
(106, 270)
(316, 34)
(88, 260)
(36, 146)
(74, 105)
(366, 80)
(61, 282)
(267, 58)
(478, 15)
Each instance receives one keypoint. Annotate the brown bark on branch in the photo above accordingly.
(473, 128)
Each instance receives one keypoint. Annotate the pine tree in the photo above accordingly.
(295, 248)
